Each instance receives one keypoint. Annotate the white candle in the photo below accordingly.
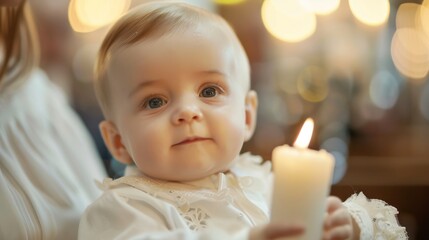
(302, 179)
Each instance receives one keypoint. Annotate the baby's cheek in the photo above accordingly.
(236, 135)
(147, 144)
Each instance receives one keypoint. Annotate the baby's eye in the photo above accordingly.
(209, 92)
(155, 102)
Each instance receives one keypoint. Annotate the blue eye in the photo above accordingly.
(155, 102)
(209, 92)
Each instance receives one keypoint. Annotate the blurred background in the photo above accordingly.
(359, 68)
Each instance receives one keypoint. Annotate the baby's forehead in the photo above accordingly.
(199, 32)
(160, 63)
(207, 33)
(196, 47)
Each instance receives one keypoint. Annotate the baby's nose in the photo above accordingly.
(187, 114)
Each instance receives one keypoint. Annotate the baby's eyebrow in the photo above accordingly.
(211, 72)
(141, 85)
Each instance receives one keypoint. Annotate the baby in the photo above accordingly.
(173, 82)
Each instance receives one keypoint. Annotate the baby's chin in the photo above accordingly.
(183, 177)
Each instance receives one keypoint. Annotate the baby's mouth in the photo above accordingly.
(190, 140)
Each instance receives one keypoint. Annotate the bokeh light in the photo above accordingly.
(406, 15)
(410, 45)
(334, 139)
(75, 22)
(287, 20)
(370, 12)
(90, 15)
(384, 90)
(335, 144)
(340, 167)
(410, 53)
(313, 84)
(423, 17)
(321, 7)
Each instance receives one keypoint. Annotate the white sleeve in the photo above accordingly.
(376, 219)
(128, 213)
(48, 163)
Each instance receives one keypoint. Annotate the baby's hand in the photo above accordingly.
(273, 231)
(338, 222)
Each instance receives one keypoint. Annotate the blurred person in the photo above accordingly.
(48, 162)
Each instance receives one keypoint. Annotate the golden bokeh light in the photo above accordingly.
(313, 84)
(406, 15)
(423, 18)
(321, 7)
(89, 15)
(287, 20)
(410, 53)
(75, 22)
(370, 12)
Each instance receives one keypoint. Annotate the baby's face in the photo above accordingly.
(178, 107)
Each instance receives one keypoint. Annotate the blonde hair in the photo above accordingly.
(19, 43)
(156, 19)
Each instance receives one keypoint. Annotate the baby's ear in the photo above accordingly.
(251, 112)
(113, 141)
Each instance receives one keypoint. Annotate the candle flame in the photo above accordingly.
(304, 136)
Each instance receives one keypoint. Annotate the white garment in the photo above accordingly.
(48, 163)
(221, 206)
(376, 219)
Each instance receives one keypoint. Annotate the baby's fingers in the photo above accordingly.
(337, 218)
(339, 233)
(333, 203)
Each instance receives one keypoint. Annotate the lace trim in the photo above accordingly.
(196, 218)
(362, 219)
(376, 219)
(247, 176)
